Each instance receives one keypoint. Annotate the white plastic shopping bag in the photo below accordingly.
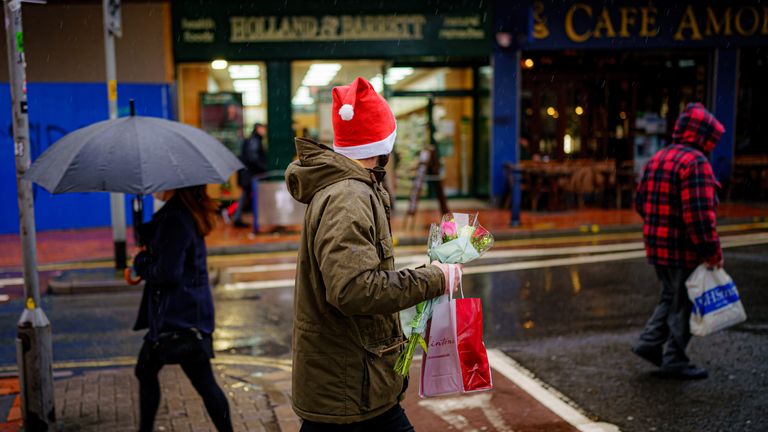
(716, 302)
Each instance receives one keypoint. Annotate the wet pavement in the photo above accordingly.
(579, 343)
(570, 322)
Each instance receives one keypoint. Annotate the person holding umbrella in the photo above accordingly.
(146, 155)
(177, 306)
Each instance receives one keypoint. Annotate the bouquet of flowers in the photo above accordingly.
(458, 239)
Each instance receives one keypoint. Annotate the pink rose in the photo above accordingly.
(448, 228)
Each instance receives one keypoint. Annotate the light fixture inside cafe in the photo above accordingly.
(567, 144)
(320, 74)
(244, 71)
(579, 110)
(395, 74)
(378, 83)
(251, 90)
(302, 97)
(219, 64)
(528, 64)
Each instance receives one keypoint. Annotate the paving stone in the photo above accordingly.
(107, 400)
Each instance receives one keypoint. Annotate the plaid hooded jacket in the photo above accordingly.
(677, 194)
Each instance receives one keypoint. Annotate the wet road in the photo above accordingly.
(568, 313)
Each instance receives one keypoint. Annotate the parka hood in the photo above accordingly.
(318, 167)
(696, 127)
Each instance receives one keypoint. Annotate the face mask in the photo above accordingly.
(383, 160)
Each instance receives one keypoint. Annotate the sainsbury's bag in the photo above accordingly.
(455, 360)
(716, 302)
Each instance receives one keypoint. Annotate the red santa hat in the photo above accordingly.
(363, 123)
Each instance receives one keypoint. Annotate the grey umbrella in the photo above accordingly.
(135, 154)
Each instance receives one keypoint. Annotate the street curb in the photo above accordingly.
(421, 241)
(75, 286)
(70, 282)
(585, 229)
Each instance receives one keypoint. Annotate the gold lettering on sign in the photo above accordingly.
(627, 19)
(714, 26)
(540, 29)
(604, 23)
(331, 28)
(755, 21)
(765, 20)
(569, 30)
(688, 22)
(648, 27)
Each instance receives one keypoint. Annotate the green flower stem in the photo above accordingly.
(403, 364)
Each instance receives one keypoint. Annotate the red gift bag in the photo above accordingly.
(473, 358)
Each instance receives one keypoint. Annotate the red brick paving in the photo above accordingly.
(505, 408)
(107, 400)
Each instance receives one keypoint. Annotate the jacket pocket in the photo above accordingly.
(381, 384)
(386, 254)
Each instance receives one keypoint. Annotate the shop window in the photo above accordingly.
(618, 107)
(311, 85)
(434, 108)
(226, 100)
(751, 128)
(428, 79)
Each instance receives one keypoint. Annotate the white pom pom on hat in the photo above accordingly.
(347, 112)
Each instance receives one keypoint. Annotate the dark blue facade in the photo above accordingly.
(551, 25)
(56, 109)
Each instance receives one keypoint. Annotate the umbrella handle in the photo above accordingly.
(128, 278)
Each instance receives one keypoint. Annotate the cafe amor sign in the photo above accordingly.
(616, 24)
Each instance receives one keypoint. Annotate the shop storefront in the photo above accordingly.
(602, 83)
(282, 59)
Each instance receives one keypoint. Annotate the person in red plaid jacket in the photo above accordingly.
(677, 200)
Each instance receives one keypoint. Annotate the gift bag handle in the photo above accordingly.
(452, 269)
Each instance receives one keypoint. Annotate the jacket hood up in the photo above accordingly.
(696, 127)
(319, 166)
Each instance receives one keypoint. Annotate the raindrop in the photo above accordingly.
(630, 418)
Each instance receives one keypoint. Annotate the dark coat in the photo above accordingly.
(346, 328)
(177, 294)
(253, 156)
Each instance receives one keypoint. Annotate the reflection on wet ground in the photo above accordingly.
(519, 305)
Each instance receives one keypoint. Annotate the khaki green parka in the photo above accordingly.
(346, 327)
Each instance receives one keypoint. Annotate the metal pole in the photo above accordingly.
(33, 344)
(116, 200)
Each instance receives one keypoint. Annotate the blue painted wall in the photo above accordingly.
(56, 109)
(725, 97)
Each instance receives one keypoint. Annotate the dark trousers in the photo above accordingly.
(669, 326)
(200, 375)
(394, 420)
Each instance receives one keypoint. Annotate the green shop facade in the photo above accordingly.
(430, 59)
(567, 79)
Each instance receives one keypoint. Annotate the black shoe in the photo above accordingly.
(690, 372)
(649, 354)
(240, 224)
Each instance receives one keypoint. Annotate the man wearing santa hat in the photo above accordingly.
(346, 327)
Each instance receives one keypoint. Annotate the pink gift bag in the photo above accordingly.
(456, 360)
